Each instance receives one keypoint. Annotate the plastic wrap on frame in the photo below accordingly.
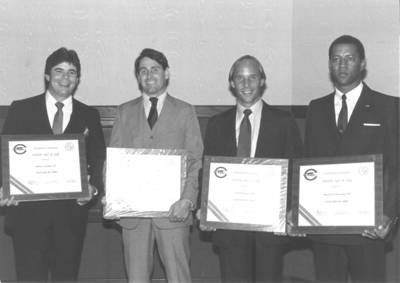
(116, 209)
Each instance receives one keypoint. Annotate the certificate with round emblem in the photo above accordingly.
(244, 194)
(337, 195)
(44, 167)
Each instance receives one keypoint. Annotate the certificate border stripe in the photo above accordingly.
(308, 216)
(18, 185)
(217, 213)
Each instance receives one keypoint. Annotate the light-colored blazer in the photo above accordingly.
(177, 127)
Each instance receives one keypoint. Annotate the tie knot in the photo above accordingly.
(247, 112)
(59, 105)
(344, 97)
(153, 101)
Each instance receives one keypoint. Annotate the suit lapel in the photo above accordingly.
(229, 133)
(360, 113)
(331, 118)
(167, 112)
(42, 111)
(364, 103)
(266, 123)
(76, 121)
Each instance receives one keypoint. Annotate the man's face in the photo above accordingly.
(63, 79)
(346, 67)
(152, 77)
(247, 83)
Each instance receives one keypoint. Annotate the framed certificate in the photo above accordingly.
(143, 182)
(44, 167)
(337, 195)
(244, 193)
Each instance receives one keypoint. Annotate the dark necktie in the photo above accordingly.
(58, 119)
(342, 120)
(244, 143)
(153, 116)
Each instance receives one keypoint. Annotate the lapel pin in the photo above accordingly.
(86, 132)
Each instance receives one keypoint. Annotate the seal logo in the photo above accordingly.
(19, 148)
(310, 174)
(69, 146)
(363, 170)
(220, 172)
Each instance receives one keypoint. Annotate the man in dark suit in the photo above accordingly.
(354, 120)
(251, 256)
(48, 235)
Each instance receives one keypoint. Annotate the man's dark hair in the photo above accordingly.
(59, 56)
(243, 58)
(155, 55)
(63, 55)
(348, 39)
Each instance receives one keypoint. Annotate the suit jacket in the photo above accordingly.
(177, 127)
(322, 138)
(278, 138)
(29, 116)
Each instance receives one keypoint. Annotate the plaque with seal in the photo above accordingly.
(244, 194)
(337, 195)
(44, 167)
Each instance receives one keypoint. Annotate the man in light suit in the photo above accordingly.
(159, 121)
(251, 256)
(48, 235)
(354, 120)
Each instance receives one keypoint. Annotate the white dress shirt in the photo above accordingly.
(52, 109)
(147, 103)
(255, 119)
(351, 100)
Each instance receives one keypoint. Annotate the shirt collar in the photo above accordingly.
(161, 97)
(256, 108)
(353, 94)
(51, 101)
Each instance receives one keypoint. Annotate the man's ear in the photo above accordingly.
(166, 72)
(363, 64)
(47, 77)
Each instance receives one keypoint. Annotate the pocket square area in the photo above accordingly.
(372, 124)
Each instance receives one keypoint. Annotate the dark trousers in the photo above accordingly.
(48, 244)
(251, 258)
(363, 263)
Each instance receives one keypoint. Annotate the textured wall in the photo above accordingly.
(317, 23)
(201, 39)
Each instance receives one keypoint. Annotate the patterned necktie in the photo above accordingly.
(153, 115)
(58, 119)
(244, 143)
(342, 120)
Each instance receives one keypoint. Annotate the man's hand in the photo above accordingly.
(382, 230)
(201, 226)
(92, 192)
(7, 202)
(180, 210)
